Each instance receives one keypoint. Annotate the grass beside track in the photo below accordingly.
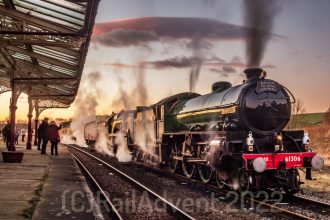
(28, 213)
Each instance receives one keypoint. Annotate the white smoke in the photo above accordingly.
(67, 139)
(144, 136)
(102, 144)
(85, 105)
(123, 153)
(145, 131)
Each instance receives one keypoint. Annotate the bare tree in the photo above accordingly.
(326, 118)
(298, 107)
(296, 110)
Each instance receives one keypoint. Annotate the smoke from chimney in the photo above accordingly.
(197, 46)
(259, 18)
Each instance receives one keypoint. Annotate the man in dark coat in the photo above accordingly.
(39, 136)
(43, 135)
(6, 134)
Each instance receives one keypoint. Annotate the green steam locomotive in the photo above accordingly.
(234, 135)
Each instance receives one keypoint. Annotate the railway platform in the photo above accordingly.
(44, 187)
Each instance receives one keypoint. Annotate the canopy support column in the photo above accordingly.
(13, 156)
(29, 139)
(14, 96)
(36, 120)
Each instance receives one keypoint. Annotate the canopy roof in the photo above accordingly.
(43, 47)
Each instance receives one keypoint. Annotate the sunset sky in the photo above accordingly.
(160, 51)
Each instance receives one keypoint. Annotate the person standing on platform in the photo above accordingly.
(16, 135)
(6, 134)
(39, 136)
(43, 135)
(54, 136)
(3, 133)
(23, 134)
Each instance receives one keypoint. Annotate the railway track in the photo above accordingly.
(311, 202)
(266, 206)
(114, 213)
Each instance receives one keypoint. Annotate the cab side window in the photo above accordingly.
(117, 127)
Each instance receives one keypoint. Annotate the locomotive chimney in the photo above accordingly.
(254, 73)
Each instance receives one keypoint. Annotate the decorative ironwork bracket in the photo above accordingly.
(4, 89)
(12, 34)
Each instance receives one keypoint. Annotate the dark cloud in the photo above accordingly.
(134, 31)
(120, 65)
(176, 62)
(213, 64)
(224, 71)
(218, 71)
(123, 37)
(228, 69)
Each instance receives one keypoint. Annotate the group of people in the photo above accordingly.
(46, 132)
(6, 134)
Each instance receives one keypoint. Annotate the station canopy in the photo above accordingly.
(43, 47)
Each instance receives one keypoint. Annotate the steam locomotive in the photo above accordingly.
(234, 135)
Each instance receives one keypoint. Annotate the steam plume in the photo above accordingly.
(259, 17)
(102, 144)
(123, 153)
(138, 96)
(85, 104)
(197, 45)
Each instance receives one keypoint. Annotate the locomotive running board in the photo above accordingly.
(190, 160)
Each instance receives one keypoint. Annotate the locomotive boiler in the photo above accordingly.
(234, 135)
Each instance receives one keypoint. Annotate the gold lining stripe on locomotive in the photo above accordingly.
(219, 110)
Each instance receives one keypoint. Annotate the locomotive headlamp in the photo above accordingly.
(279, 137)
(317, 162)
(306, 139)
(250, 141)
(259, 164)
(279, 142)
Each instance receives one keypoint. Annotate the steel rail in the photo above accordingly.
(171, 207)
(310, 201)
(114, 214)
